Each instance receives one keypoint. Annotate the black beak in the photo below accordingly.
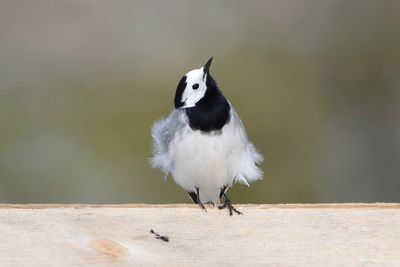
(206, 67)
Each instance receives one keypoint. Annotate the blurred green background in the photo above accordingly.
(316, 82)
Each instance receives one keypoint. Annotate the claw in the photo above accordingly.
(231, 208)
(202, 206)
(228, 204)
(199, 201)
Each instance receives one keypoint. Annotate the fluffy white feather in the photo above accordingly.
(208, 161)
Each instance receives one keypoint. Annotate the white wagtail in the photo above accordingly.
(203, 142)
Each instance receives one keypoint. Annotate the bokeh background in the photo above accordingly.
(316, 82)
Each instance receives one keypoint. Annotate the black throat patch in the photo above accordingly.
(211, 112)
(179, 92)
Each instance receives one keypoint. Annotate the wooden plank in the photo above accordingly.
(266, 235)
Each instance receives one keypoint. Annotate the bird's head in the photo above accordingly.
(192, 87)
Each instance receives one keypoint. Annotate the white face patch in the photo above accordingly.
(195, 87)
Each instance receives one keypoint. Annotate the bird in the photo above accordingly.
(203, 143)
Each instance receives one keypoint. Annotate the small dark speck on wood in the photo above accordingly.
(162, 237)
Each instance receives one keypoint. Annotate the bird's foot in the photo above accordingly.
(202, 206)
(211, 203)
(231, 208)
(199, 201)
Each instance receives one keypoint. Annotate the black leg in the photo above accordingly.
(223, 191)
(228, 203)
(199, 201)
(193, 196)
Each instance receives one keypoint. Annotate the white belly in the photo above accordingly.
(204, 161)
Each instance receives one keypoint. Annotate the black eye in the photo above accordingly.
(195, 86)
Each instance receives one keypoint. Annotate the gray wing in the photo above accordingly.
(163, 131)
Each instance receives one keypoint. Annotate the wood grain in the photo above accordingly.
(266, 235)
